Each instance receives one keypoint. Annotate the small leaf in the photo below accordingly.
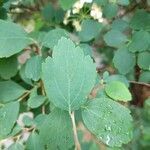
(34, 142)
(10, 91)
(118, 91)
(27, 121)
(56, 131)
(13, 39)
(89, 29)
(144, 60)
(119, 24)
(36, 101)
(33, 68)
(53, 36)
(110, 10)
(109, 121)
(8, 116)
(116, 77)
(8, 67)
(23, 75)
(115, 38)
(69, 76)
(138, 45)
(123, 60)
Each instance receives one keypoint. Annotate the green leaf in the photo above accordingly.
(10, 91)
(39, 120)
(8, 67)
(119, 24)
(123, 2)
(36, 101)
(89, 29)
(48, 12)
(69, 76)
(13, 39)
(123, 60)
(138, 45)
(100, 2)
(34, 142)
(8, 116)
(33, 68)
(115, 38)
(56, 131)
(118, 91)
(66, 4)
(140, 20)
(144, 60)
(116, 77)
(27, 121)
(86, 49)
(52, 37)
(16, 146)
(109, 121)
(23, 75)
(110, 10)
(145, 77)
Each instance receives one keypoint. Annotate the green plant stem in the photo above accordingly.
(76, 140)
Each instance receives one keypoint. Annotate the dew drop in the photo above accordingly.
(107, 140)
(108, 128)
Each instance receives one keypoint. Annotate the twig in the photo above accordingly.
(129, 10)
(140, 83)
(43, 93)
(24, 95)
(76, 141)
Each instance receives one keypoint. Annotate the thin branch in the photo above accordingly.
(140, 83)
(24, 95)
(76, 140)
(43, 93)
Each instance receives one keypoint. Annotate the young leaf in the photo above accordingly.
(110, 10)
(90, 29)
(109, 121)
(12, 38)
(115, 38)
(34, 142)
(36, 101)
(52, 37)
(118, 91)
(144, 60)
(138, 45)
(56, 131)
(123, 60)
(8, 67)
(69, 76)
(33, 68)
(8, 116)
(118, 77)
(10, 91)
